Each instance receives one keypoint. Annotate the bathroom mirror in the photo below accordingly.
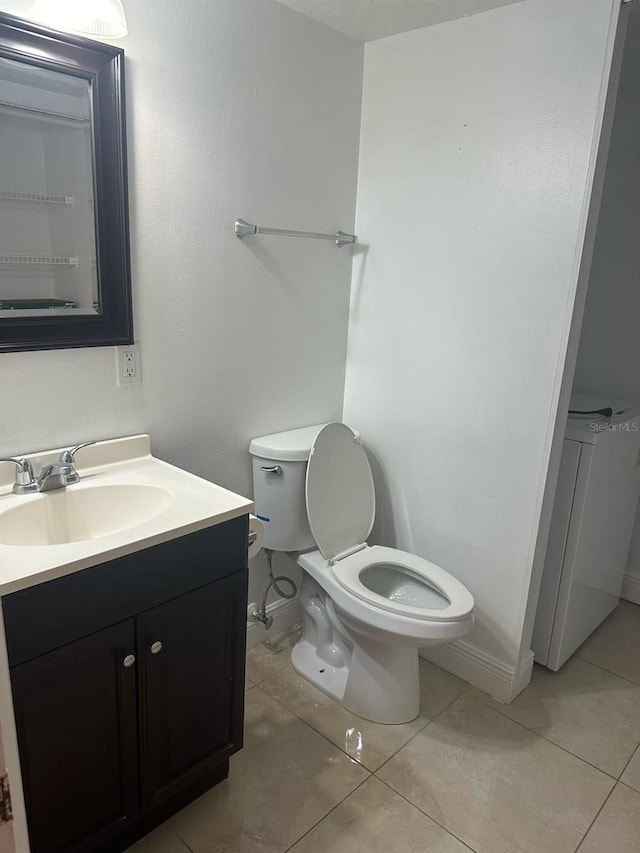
(64, 232)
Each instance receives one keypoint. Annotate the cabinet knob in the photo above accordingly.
(156, 648)
(129, 661)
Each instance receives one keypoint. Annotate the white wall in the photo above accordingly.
(476, 143)
(235, 108)
(631, 585)
(609, 354)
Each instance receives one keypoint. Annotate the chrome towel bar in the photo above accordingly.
(244, 229)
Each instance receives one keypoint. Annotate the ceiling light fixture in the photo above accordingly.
(95, 18)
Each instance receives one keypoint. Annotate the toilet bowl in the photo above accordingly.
(367, 609)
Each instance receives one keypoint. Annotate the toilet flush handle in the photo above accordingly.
(271, 469)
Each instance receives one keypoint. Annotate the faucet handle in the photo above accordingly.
(68, 456)
(25, 481)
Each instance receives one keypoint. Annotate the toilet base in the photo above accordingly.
(383, 683)
(377, 680)
(331, 680)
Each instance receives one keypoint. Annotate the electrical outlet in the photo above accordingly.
(128, 365)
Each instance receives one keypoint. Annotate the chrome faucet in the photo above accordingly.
(57, 475)
(60, 474)
(25, 483)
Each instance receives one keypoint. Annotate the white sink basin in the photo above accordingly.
(79, 513)
(126, 501)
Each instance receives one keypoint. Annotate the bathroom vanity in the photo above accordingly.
(124, 650)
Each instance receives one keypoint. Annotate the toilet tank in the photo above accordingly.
(279, 472)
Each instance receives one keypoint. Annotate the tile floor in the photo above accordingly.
(557, 771)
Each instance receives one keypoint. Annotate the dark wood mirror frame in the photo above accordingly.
(103, 66)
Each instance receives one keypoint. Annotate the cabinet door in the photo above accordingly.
(192, 688)
(76, 721)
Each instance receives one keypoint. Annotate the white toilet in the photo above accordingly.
(366, 609)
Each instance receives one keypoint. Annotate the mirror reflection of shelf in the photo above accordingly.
(44, 306)
(41, 198)
(37, 261)
(44, 303)
(42, 115)
(14, 313)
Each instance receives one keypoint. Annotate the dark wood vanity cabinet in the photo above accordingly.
(75, 712)
(187, 688)
(123, 723)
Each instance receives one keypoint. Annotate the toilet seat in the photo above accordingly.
(340, 500)
(442, 599)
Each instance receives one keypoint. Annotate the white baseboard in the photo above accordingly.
(285, 614)
(482, 670)
(631, 589)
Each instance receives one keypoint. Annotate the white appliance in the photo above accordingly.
(591, 527)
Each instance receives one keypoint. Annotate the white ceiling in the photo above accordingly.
(373, 19)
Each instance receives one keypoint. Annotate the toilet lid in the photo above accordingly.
(339, 491)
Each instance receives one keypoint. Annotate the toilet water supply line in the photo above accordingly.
(260, 615)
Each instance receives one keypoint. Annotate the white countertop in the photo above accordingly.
(194, 505)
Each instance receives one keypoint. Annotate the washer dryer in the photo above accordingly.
(591, 528)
